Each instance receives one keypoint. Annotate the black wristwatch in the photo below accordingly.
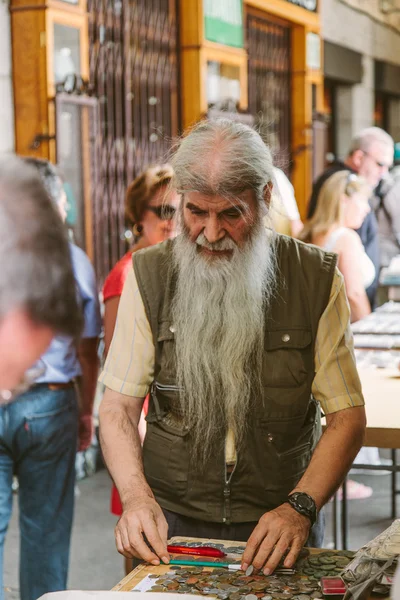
(303, 504)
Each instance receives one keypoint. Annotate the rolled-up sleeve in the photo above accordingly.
(129, 368)
(336, 385)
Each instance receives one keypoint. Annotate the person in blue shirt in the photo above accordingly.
(37, 292)
(45, 427)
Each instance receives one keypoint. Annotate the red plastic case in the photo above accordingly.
(333, 586)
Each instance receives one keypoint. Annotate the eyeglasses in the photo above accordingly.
(164, 212)
(379, 164)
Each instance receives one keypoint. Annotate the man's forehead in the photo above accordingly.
(219, 202)
(381, 152)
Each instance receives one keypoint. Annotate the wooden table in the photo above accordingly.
(138, 574)
(381, 389)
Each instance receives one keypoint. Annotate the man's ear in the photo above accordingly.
(357, 158)
(267, 194)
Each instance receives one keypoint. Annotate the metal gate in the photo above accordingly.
(134, 73)
(270, 82)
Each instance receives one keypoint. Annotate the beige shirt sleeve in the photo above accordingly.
(336, 385)
(129, 368)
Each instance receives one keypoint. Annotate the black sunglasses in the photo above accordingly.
(165, 212)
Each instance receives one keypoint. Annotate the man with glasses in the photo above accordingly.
(370, 156)
(39, 430)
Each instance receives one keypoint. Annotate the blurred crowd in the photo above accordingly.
(50, 322)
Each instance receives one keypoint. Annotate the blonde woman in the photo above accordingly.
(341, 208)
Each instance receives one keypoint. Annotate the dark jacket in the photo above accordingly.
(368, 231)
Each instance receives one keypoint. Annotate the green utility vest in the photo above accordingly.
(283, 425)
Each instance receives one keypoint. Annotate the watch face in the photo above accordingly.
(305, 502)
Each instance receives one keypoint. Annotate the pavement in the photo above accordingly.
(95, 563)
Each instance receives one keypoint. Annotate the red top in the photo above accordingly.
(114, 283)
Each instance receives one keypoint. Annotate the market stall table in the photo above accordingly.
(381, 388)
(142, 574)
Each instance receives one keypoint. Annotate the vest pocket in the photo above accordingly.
(287, 358)
(166, 460)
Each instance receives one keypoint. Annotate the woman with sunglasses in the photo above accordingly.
(150, 205)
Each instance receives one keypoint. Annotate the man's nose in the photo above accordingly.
(213, 230)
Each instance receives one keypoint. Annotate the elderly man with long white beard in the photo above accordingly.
(242, 336)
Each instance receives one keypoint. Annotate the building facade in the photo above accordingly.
(361, 68)
(6, 95)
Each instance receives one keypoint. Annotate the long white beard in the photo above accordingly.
(218, 314)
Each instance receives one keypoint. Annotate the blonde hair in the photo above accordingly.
(329, 206)
(142, 189)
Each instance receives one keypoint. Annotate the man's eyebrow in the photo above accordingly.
(239, 208)
(190, 205)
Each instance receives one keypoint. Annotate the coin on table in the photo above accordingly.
(327, 560)
(249, 571)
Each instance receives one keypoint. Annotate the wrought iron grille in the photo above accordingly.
(134, 73)
(269, 82)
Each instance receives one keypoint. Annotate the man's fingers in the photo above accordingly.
(265, 550)
(118, 541)
(162, 526)
(276, 555)
(252, 545)
(155, 540)
(122, 541)
(141, 548)
(293, 554)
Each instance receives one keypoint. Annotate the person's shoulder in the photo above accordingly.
(81, 263)
(154, 257)
(302, 252)
(115, 280)
(331, 170)
(348, 241)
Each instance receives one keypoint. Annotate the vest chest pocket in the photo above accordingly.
(287, 360)
(166, 351)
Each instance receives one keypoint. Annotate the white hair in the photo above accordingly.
(36, 272)
(222, 158)
(366, 137)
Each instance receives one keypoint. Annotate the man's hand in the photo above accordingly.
(277, 531)
(143, 517)
(85, 432)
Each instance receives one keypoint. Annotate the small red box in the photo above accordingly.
(333, 586)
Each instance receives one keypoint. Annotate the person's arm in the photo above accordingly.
(87, 382)
(350, 252)
(127, 375)
(142, 515)
(296, 227)
(110, 317)
(87, 346)
(338, 389)
(284, 527)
